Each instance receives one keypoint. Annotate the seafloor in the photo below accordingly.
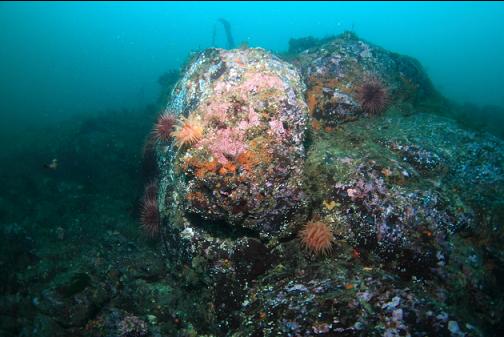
(326, 191)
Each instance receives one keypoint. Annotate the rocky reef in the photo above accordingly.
(320, 193)
(363, 158)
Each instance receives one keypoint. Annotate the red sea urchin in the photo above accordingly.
(150, 219)
(373, 96)
(164, 127)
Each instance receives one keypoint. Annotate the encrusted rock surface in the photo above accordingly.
(382, 180)
(407, 253)
(238, 189)
(246, 170)
(412, 200)
(336, 71)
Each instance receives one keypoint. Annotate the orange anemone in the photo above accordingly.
(317, 237)
(188, 131)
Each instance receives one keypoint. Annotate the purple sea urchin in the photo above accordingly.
(373, 96)
(149, 217)
(164, 127)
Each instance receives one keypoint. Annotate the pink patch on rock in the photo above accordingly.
(226, 143)
(256, 82)
(251, 120)
(216, 111)
(276, 127)
(220, 87)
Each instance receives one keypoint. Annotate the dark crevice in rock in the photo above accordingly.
(220, 228)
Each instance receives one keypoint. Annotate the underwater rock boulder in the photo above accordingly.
(387, 188)
(231, 177)
(241, 169)
(236, 184)
(73, 299)
(348, 78)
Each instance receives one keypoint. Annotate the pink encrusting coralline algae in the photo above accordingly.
(231, 114)
(216, 111)
(225, 144)
(277, 128)
(255, 82)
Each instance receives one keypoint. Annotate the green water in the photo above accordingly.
(82, 85)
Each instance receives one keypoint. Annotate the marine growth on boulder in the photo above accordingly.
(238, 157)
(313, 197)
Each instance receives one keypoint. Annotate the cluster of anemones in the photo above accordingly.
(185, 131)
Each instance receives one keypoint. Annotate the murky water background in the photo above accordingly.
(83, 84)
